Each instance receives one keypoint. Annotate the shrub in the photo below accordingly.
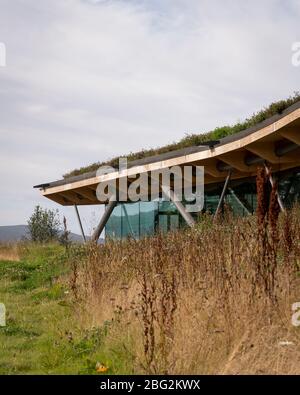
(44, 225)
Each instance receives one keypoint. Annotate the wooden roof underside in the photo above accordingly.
(265, 143)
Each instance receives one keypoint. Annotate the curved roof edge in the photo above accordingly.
(260, 140)
(180, 152)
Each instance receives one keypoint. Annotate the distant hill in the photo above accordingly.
(13, 233)
(18, 232)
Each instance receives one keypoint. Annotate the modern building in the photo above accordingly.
(230, 167)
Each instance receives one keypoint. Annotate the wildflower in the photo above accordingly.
(100, 368)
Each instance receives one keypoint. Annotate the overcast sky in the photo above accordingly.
(86, 80)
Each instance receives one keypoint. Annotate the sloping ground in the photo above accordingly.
(44, 333)
(13, 232)
(197, 139)
(216, 299)
(20, 232)
(212, 300)
(9, 252)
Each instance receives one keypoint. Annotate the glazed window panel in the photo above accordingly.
(148, 214)
(131, 220)
(113, 228)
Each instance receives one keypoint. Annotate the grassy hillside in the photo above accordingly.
(168, 304)
(199, 138)
(16, 233)
(45, 332)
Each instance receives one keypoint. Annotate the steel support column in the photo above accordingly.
(272, 183)
(223, 193)
(239, 200)
(108, 210)
(180, 207)
(80, 223)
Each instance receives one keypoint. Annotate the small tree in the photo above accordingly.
(44, 225)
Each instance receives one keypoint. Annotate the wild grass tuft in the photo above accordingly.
(215, 299)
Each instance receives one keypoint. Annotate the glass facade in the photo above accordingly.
(141, 219)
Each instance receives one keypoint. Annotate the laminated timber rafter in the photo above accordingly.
(276, 142)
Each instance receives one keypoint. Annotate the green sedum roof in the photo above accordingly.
(197, 139)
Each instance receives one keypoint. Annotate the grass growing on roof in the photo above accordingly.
(196, 139)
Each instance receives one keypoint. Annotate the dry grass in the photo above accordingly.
(9, 252)
(212, 300)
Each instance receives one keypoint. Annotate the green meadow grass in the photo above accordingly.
(42, 333)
